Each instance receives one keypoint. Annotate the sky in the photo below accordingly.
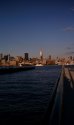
(34, 25)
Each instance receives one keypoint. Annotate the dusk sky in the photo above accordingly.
(31, 25)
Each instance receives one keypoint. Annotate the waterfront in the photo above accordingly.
(24, 96)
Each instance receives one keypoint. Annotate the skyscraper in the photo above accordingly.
(41, 55)
(1, 56)
(26, 56)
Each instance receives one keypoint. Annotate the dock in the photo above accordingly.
(61, 106)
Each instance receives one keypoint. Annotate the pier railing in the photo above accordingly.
(71, 79)
(53, 115)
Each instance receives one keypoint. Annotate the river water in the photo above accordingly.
(25, 96)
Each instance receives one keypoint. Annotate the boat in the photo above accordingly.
(38, 65)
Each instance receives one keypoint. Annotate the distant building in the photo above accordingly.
(7, 57)
(49, 57)
(70, 57)
(13, 63)
(26, 56)
(41, 55)
(1, 56)
(18, 58)
(3, 62)
(12, 58)
(44, 61)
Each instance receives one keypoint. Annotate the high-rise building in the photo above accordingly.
(70, 57)
(26, 56)
(6, 57)
(49, 57)
(1, 56)
(9, 57)
(41, 54)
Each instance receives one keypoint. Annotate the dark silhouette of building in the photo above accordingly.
(26, 56)
(49, 57)
(7, 57)
(1, 56)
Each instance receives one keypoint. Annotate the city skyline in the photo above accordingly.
(28, 26)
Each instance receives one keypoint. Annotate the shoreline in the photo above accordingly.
(13, 69)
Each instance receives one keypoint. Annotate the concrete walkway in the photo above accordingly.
(68, 99)
(72, 74)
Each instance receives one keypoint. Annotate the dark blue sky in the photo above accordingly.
(31, 25)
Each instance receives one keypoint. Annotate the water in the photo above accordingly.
(24, 96)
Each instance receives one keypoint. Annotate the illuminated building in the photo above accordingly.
(41, 55)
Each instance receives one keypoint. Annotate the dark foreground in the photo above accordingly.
(38, 99)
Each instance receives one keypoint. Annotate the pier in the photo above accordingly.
(61, 106)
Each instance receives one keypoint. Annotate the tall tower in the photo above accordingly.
(26, 56)
(1, 56)
(41, 55)
(9, 57)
